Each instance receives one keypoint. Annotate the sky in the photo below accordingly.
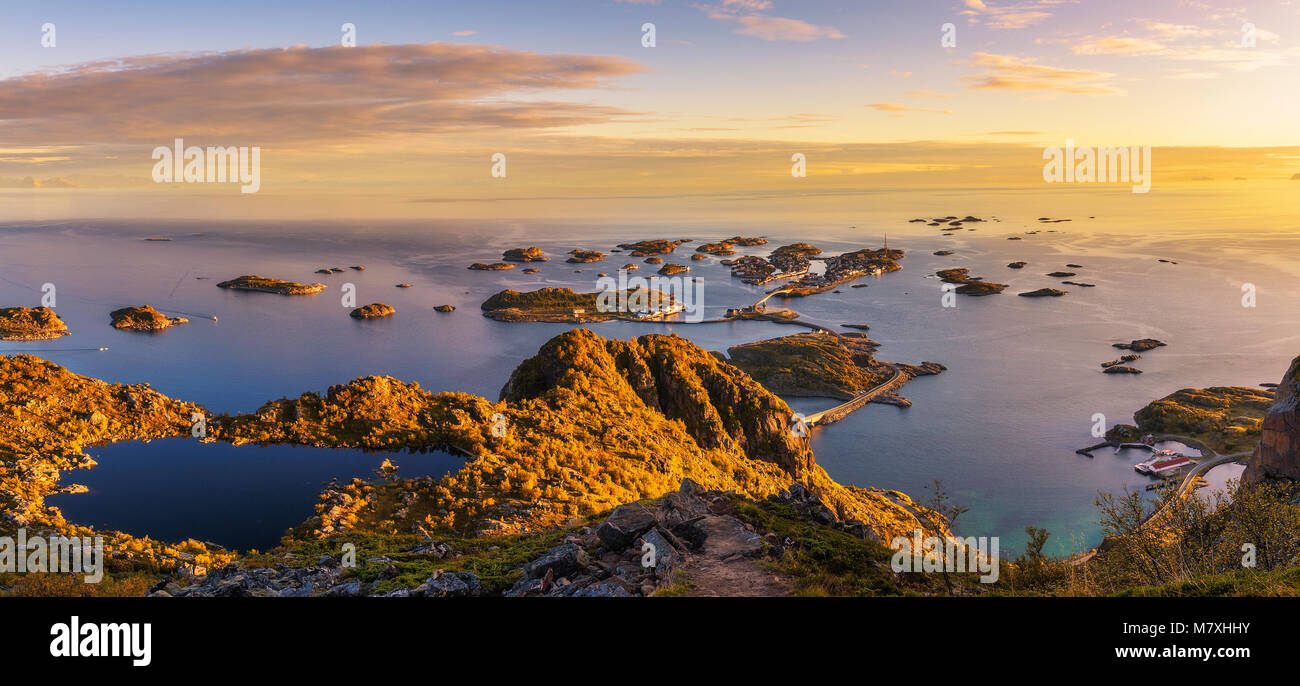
(407, 120)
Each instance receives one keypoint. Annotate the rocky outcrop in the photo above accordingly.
(970, 285)
(30, 324)
(144, 318)
(720, 405)
(269, 285)
(530, 254)
(1278, 454)
(652, 247)
(493, 267)
(1139, 346)
(324, 579)
(373, 311)
(1044, 293)
(642, 548)
(581, 256)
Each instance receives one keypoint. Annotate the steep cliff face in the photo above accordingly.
(1278, 453)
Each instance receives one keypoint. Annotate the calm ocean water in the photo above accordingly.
(999, 428)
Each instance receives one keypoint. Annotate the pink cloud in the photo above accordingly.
(269, 96)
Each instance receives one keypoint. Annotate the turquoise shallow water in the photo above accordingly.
(998, 428)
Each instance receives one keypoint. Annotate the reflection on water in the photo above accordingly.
(239, 497)
(1218, 478)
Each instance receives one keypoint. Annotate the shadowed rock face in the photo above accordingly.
(1278, 454)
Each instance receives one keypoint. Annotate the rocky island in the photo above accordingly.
(143, 318)
(821, 365)
(373, 311)
(970, 285)
(581, 256)
(530, 254)
(493, 267)
(1226, 418)
(544, 305)
(30, 324)
(268, 285)
(1140, 345)
(652, 247)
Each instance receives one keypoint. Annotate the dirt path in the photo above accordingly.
(725, 564)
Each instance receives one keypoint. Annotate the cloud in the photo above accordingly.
(897, 107)
(1016, 15)
(1005, 72)
(275, 96)
(749, 15)
(1119, 45)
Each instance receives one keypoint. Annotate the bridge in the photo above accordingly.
(761, 301)
(858, 401)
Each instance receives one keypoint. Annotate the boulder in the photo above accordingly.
(561, 561)
(625, 523)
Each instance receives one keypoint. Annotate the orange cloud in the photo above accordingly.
(897, 107)
(1016, 15)
(1004, 72)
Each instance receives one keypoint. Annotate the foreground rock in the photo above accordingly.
(445, 308)
(373, 311)
(689, 535)
(30, 324)
(324, 579)
(269, 285)
(143, 318)
(1278, 454)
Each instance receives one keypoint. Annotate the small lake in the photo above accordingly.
(240, 497)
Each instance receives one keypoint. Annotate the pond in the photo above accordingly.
(240, 497)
